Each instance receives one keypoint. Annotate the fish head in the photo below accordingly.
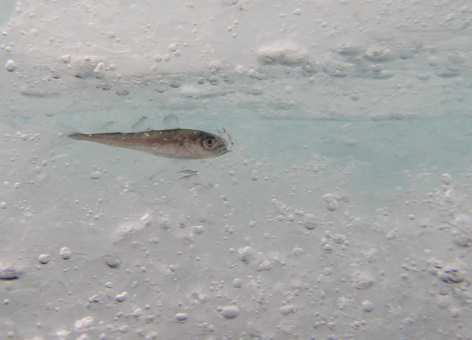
(210, 145)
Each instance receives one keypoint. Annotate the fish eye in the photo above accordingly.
(209, 143)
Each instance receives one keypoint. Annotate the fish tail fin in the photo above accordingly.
(63, 134)
(78, 136)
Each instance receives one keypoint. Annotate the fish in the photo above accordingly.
(174, 143)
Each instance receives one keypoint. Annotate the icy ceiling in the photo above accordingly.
(345, 60)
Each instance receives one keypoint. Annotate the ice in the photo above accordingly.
(287, 52)
(342, 211)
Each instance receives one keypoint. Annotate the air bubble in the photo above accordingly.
(265, 265)
(10, 65)
(237, 283)
(331, 202)
(339, 238)
(123, 329)
(327, 271)
(288, 309)
(443, 302)
(229, 312)
(367, 306)
(122, 92)
(424, 224)
(328, 248)
(246, 254)
(338, 69)
(380, 55)
(298, 251)
(391, 235)
(95, 175)
(448, 71)
(66, 58)
(309, 68)
(43, 258)
(199, 229)
(462, 239)
(457, 58)
(434, 61)
(112, 261)
(438, 264)
(138, 312)
(362, 280)
(83, 324)
(309, 221)
(9, 274)
(65, 253)
(62, 333)
(283, 52)
(350, 50)
(255, 175)
(181, 316)
(453, 273)
(446, 179)
(122, 297)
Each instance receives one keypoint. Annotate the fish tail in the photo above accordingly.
(78, 136)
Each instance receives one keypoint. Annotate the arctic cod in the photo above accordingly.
(172, 143)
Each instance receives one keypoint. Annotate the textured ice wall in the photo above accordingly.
(343, 211)
(307, 59)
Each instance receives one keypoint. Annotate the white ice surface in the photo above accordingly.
(342, 212)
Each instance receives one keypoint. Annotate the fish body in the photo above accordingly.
(172, 143)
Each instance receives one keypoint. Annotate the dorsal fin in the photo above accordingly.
(171, 121)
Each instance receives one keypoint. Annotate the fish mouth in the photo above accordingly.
(222, 150)
(222, 147)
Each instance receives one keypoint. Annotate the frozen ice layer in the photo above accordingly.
(6, 10)
(284, 52)
(282, 61)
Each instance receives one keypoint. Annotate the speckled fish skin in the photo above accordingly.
(174, 143)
